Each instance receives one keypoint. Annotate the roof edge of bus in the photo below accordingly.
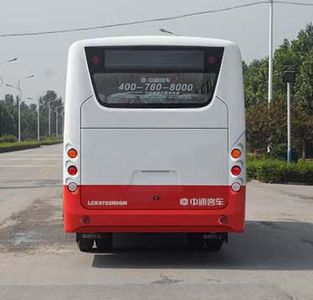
(154, 40)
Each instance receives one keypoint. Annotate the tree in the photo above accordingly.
(255, 79)
(55, 101)
(298, 55)
(9, 118)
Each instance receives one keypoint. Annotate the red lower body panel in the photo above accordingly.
(154, 209)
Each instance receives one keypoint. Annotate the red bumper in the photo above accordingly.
(77, 218)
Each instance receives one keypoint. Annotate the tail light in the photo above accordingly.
(72, 170)
(236, 153)
(72, 153)
(235, 170)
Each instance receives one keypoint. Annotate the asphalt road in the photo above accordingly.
(273, 259)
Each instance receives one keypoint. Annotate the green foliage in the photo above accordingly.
(280, 152)
(277, 171)
(9, 116)
(304, 84)
(51, 141)
(255, 79)
(268, 126)
(8, 139)
(7, 147)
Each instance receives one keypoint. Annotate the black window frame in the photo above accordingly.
(100, 52)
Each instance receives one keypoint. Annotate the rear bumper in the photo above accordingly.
(79, 219)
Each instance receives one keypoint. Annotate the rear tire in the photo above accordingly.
(195, 241)
(214, 245)
(211, 242)
(104, 244)
(85, 245)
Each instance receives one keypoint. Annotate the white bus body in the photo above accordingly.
(149, 166)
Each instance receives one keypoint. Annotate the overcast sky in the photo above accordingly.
(45, 56)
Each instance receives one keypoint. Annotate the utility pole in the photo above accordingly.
(49, 120)
(56, 123)
(270, 55)
(288, 125)
(289, 77)
(38, 119)
(19, 98)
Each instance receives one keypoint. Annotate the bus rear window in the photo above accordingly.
(154, 77)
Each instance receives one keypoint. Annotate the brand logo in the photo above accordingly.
(212, 202)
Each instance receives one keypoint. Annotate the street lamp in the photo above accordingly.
(8, 61)
(4, 63)
(49, 115)
(57, 120)
(19, 98)
(163, 30)
(289, 77)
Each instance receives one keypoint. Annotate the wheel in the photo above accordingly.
(195, 241)
(85, 245)
(104, 244)
(215, 241)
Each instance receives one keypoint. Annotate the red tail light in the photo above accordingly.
(235, 170)
(72, 170)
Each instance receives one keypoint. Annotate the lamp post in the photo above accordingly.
(57, 120)
(289, 77)
(49, 115)
(19, 99)
(270, 54)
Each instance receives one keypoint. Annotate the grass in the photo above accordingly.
(278, 171)
(15, 146)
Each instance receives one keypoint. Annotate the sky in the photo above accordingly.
(46, 56)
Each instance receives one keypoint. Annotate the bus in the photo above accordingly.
(154, 140)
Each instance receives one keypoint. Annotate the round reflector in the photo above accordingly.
(235, 153)
(223, 220)
(72, 187)
(72, 170)
(235, 170)
(235, 187)
(85, 220)
(72, 153)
